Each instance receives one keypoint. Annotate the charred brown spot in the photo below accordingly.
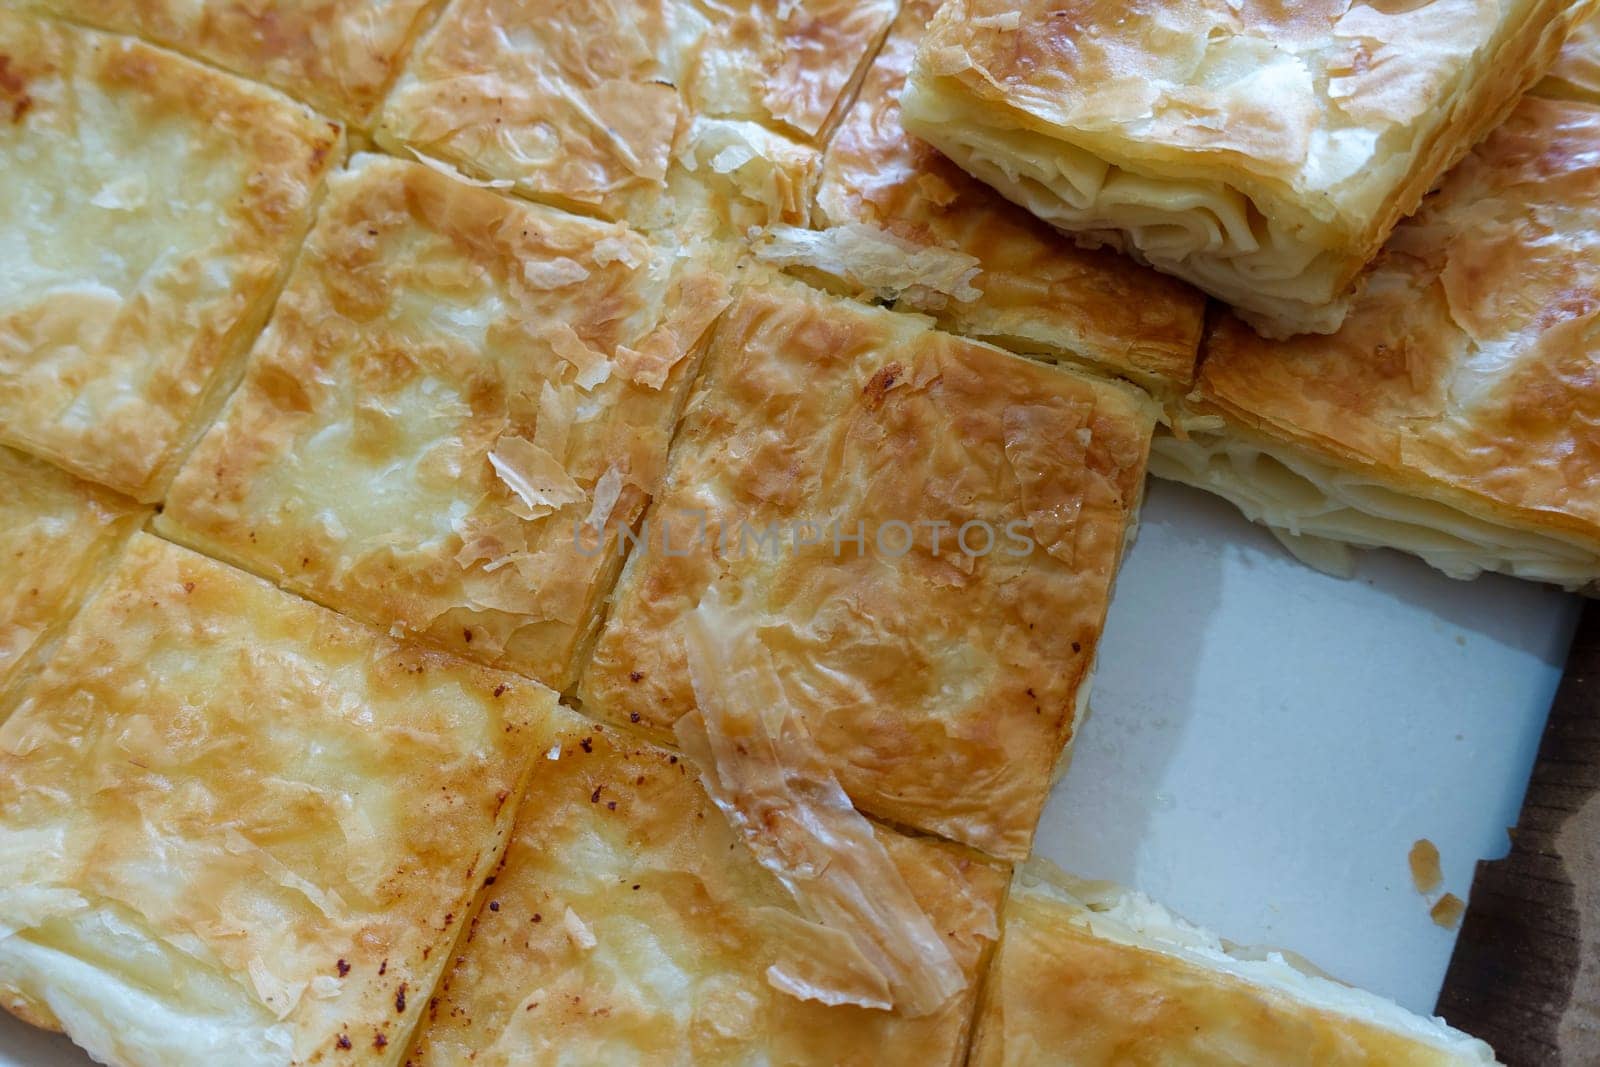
(344, 1042)
(636, 676)
(500, 690)
(378, 1040)
(400, 998)
(587, 744)
(14, 88)
(343, 968)
(879, 384)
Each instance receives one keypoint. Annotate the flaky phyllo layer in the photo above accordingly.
(1319, 510)
(1261, 154)
(1456, 414)
(1089, 970)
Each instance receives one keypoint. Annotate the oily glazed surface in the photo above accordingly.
(943, 685)
(236, 824)
(458, 402)
(124, 309)
(1466, 370)
(628, 924)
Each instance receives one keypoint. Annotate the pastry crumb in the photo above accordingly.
(1424, 860)
(1448, 911)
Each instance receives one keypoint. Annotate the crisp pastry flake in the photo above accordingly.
(237, 827)
(1262, 151)
(631, 924)
(763, 770)
(458, 405)
(1457, 413)
(1086, 971)
(151, 209)
(940, 681)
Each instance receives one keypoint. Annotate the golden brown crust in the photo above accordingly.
(335, 55)
(1059, 994)
(593, 104)
(1466, 373)
(238, 825)
(127, 308)
(1036, 289)
(1331, 119)
(56, 532)
(630, 924)
(452, 384)
(942, 685)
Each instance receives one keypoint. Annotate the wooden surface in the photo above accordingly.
(1526, 972)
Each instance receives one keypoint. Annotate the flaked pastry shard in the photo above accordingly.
(458, 403)
(1457, 413)
(666, 113)
(1087, 973)
(337, 56)
(924, 532)
(56, 535)
(238, 828)
(896, 220)
(1261, 150)
(151, 208)
(630, 923)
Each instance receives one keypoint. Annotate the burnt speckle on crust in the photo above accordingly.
(343, 1042)
(879, 384)
(400, 999)
(14, 90)
(342, 967)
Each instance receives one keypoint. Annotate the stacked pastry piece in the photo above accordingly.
(463, 602)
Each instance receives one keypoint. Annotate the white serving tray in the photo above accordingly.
(1266, 743)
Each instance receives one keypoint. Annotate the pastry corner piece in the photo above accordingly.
(923, 530)
(1456, 415)
(1262, 151)
(895, 220)
(126, 308)
(1086, 971)
(666, 114)
(236, 827)
(460, 401)
(631, 923)
(57, 533)
(336, 56)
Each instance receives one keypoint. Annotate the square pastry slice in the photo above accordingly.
(56, 533)
(1576, 75)
(238, 828)
(458, 402)
(630, 924)
(896, 220)
(649, 110)
(151, 208)
(1087, 973)
(337, 56)
(924, 529)
(1261, 150)
(1457, 413)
